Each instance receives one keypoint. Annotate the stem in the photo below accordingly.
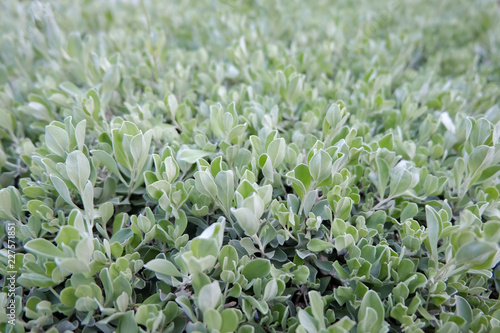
(14, 138)
(259, 243)
(14, 219)
(224, 210)
(382, 202)
(443, 271)
(12, 165)
(289, 234)
(139, 246)
(228, 214)
(226, 289)
(54, 292)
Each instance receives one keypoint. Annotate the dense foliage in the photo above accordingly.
(250, 166)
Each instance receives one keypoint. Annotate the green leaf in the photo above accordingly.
(480, 158)
(171, 311)
(488, 173)
(464, 310)
(386, 142)
(228, 258)
(200, 280)
(270, 291)
(171, 169)
(210, 296)
(71, 89)
(106, 284)
(67, 234)
(382, 176)
(276, 151)
(318, 245)
(57, 140)
(80, 134)
(68, 296)
(111, 80)
(345, 324)
(122, 302)
(320, 166)
(62, 189)
(138, 149)
(192, 155)
(342, 209)
(301, 274)
(266, 166)
(369, 321)
(5, 204)
(309, 323)
(246, 329)
(410, 210)
(106, 211)
(257, 268)
(205, 183)
(230, 320)
(78, 169)
(247, 220)
(434, 228)
(127, 323)
(105, 159)
(212, 319)
(163, 266)
(44, 248)
(249, 215)
(96, 101)
(121, 155)
(183, 301)
(449, 327)
(303, 175)
(476, 254)
(3, 157)
(73, 266)
(401, 181)
(202, 247)
(478, 131)
(372, 307)
(317, 308)
(40, 210)
(225, 188)
(172, 104)
(88, 199)
(254, 203)
(236, 132)
(121, 236)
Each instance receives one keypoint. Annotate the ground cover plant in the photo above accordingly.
(250, 166)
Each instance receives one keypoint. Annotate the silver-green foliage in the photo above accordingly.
(251, 166)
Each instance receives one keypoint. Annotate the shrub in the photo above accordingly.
(250, 166)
